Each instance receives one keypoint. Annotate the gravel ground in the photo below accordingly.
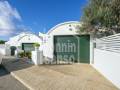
(7, 82)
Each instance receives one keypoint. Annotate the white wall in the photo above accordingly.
(108, 63)
(48, 48)
(24, 38)
(30, 39)
(4, 50)
(65, 29)
(60, 29)
(37, 57)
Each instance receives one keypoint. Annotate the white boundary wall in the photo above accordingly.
(37, 57)
(107, 58)
(4, 50)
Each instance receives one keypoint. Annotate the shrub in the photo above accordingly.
(24, 54)
(2, 42)
(28, 54)
(21, 54)
(36, 45)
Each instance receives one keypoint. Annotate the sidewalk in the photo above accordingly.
(58, 77)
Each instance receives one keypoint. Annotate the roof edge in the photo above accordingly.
(61, 24)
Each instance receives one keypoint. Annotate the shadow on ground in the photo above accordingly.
(3, 71)
(14, 64)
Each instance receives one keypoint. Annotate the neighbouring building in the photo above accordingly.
(23, 42)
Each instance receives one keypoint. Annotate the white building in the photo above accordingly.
(4, 50)
(62, 34)
(62, 42)
(23, 41)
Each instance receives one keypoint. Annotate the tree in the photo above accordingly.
(101, 17)
(2, 42)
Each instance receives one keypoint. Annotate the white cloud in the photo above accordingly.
(7, 16)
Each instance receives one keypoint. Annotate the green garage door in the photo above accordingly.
(28, 47)
(72, 48)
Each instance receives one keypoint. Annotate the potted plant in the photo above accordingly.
(36, 45)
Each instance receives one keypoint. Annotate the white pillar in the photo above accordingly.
(91, 49)
(37, 57)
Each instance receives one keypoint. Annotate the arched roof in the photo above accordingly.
(69, 22)
(26, 34)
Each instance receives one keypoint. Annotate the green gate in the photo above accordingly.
(72, 48)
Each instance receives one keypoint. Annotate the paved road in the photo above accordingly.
(0, 58)
(7, 82)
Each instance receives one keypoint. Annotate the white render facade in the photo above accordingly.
(66, 28)
(60, 29)
(25, 37)
(46, 41)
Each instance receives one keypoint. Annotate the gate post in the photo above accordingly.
(37, 57)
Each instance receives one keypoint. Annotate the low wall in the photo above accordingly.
(4, 51)
(37, 57)
(108, 63)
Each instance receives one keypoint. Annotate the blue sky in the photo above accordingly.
(41, 15)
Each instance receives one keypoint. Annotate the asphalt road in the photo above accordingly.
(7, 82)
(0, 58)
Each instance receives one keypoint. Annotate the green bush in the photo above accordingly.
(21, 54)
(36, 45)
(25, 54)
(28, 54)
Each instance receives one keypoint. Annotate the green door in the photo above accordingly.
(72, 48)
(85, 49)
